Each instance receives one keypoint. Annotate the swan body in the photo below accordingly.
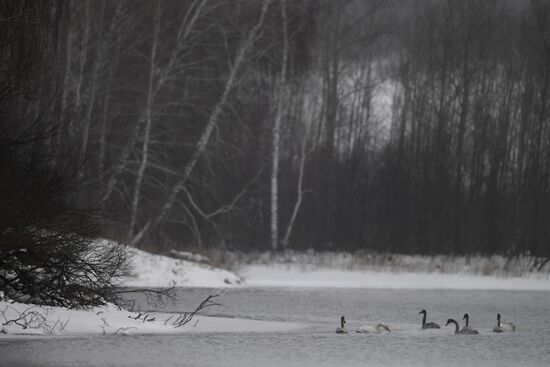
(371, 329)
(463, 331)
(428, 325)
(507, 326)
(467, 329)
(342, 328)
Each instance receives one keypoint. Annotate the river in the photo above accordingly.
(317, 344)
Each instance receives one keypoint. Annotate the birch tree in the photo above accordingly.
(167, 73)
(148, 120)
(280, 94)
(244, 49)
(308, 107)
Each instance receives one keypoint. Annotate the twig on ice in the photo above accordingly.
(186, 317)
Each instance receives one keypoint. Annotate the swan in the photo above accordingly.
(342, 329)
(508, 326)
(370, 329)
(463, 331)
(467, 328)
(429, 325)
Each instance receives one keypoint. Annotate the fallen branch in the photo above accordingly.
(32, 319)
(159, 296)
(28, 319)
(186, 317)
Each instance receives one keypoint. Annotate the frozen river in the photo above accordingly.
(317, 344)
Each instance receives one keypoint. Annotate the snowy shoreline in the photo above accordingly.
(32, 321)
(149, 270)
(293, 276)
(332, 272)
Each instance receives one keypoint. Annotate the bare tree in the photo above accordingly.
(243, 50)
(280, 94)
(163, 74)
(47, 250)
(148, 120)
(300, 183)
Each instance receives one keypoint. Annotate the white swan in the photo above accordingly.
(371, 329)
(507, 326)
(463, 331)
(342, 328)
(429, 325)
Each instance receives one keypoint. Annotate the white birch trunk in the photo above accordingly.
(276, 137)
(300, 193)
(148, 124)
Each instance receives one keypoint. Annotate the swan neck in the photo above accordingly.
(424, 319)
(456, 326)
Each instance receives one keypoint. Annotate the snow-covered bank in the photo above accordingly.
(25, 319)
(294, 275)
(310, 260)
(343, 270)
(149, 270)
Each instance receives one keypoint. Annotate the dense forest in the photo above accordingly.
(413, 126)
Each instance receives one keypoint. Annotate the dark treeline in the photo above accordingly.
(404, 126)
(466, 168)
(48, 252)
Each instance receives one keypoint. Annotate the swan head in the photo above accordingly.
(422, 312)
(465, 317)
(342, 321)
(385, 327)
(498, 316)
(450, 321)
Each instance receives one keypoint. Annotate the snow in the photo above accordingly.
(190, 256)
(296, 271)
(495, 265)
(149, 270)
(341, 270)
(111, 320)
(293, 275)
